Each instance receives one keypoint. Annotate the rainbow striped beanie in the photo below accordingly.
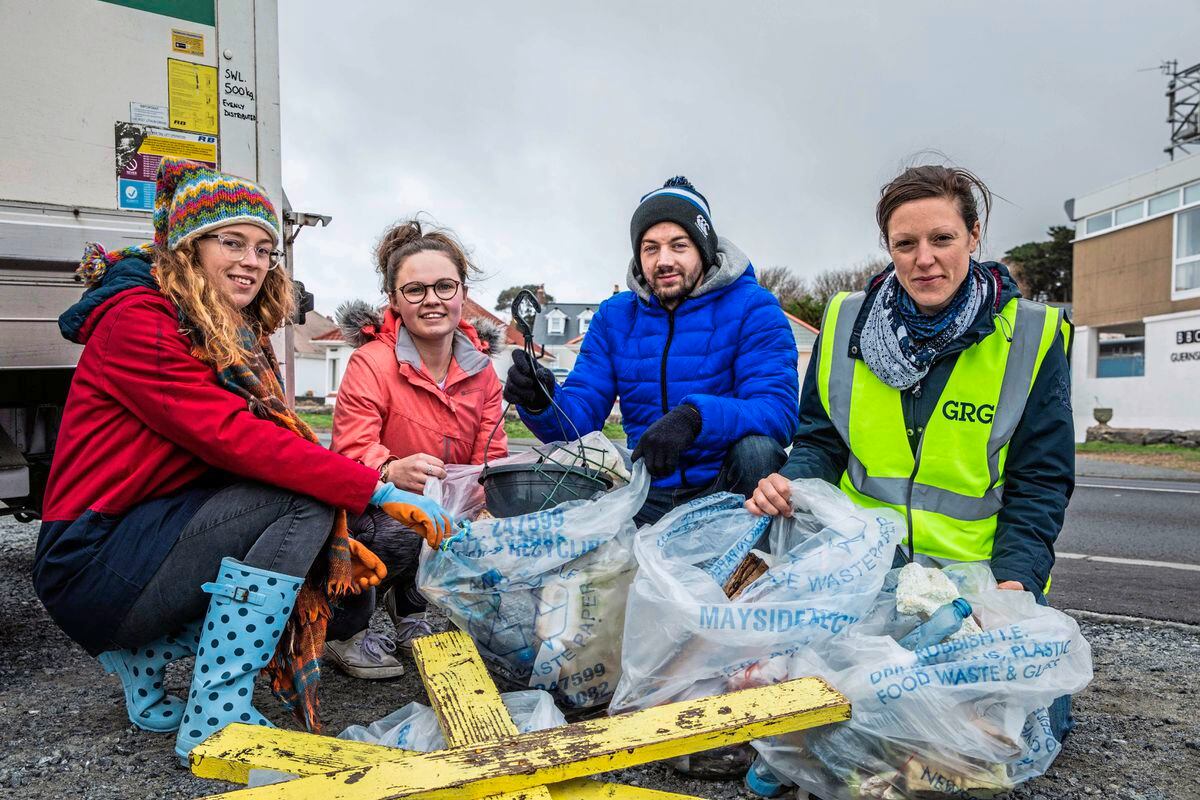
(191, 199)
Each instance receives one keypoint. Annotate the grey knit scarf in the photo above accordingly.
(893, 352)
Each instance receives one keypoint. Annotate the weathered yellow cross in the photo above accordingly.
(486, 757)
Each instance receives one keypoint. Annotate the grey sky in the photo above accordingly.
(532, 129)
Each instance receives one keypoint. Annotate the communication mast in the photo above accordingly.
(1183, 106)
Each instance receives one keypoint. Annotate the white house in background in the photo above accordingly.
(308, 356)
(806, 337)
(336, 354)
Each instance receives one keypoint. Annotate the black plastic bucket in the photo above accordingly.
(515, 489)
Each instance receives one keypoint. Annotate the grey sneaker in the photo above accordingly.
(366, 655)
(408, 628)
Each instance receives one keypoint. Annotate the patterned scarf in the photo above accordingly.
(899, 343)
(295, 669)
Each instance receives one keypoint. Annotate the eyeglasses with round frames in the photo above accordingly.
(416, 292)
(236, 250)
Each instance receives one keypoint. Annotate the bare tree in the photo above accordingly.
(783, 283)
(848, 279)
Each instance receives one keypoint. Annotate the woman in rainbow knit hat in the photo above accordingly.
(189, 511)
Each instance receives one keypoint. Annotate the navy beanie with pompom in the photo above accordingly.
(679, 202)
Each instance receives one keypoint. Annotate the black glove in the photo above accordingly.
(664, 442)
(521, 386)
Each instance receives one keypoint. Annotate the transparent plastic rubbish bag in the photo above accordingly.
(543, 594)
(415, 726)
(684, 638)
(965, 717)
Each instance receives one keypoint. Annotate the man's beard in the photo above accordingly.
(680, 291)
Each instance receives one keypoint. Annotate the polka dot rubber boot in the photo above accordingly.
(245, 619)
(141, 672)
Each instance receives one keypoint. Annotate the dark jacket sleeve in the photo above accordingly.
(1039, 478)
(817, 450)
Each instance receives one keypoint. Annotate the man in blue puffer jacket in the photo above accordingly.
(701, 356)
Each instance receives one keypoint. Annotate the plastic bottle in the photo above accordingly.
(763, 781)
(943, 623)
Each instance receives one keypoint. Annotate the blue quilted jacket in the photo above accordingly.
(727, 349)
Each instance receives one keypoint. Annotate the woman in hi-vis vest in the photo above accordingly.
(939, 392)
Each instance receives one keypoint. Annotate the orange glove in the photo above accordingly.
(416, 511)
(365, 567)
(434, 530)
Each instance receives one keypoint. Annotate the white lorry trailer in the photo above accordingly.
(94, 93)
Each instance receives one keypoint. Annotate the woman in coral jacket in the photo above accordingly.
(189, 512)
(419, 393)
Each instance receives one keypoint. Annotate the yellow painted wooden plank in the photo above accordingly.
(588, 789)
(439, 658)
(302, 754)
(585, 748)
(467, 703)
(230, 754)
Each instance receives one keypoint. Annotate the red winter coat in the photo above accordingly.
(388, 405)
(145, 417)
(148, 435)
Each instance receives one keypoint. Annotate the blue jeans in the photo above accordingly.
(751, 459)
(259, 525)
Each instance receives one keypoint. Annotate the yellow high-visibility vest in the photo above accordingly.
(951, 490)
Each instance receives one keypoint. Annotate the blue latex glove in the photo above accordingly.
(416, 511)
(944, 623)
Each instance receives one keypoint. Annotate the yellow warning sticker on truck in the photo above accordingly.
(180, 148)
(190, 43)
(192, 96)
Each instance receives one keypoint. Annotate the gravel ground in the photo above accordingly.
(63, 731)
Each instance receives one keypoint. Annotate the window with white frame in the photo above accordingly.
(1129, 213)
(585, 321)
(1187, 254)
(1159, 204)
(555, 323)
(334, 377)
(1163, 202)
(1099, 222)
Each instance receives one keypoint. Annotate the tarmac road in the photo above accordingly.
(1115, 522)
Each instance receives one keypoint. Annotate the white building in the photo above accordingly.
(1136, 298)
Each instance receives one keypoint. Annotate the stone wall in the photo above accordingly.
(1103, 433)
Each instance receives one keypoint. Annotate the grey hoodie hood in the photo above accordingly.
(731, 264)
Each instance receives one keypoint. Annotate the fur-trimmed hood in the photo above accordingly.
(360, 322)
